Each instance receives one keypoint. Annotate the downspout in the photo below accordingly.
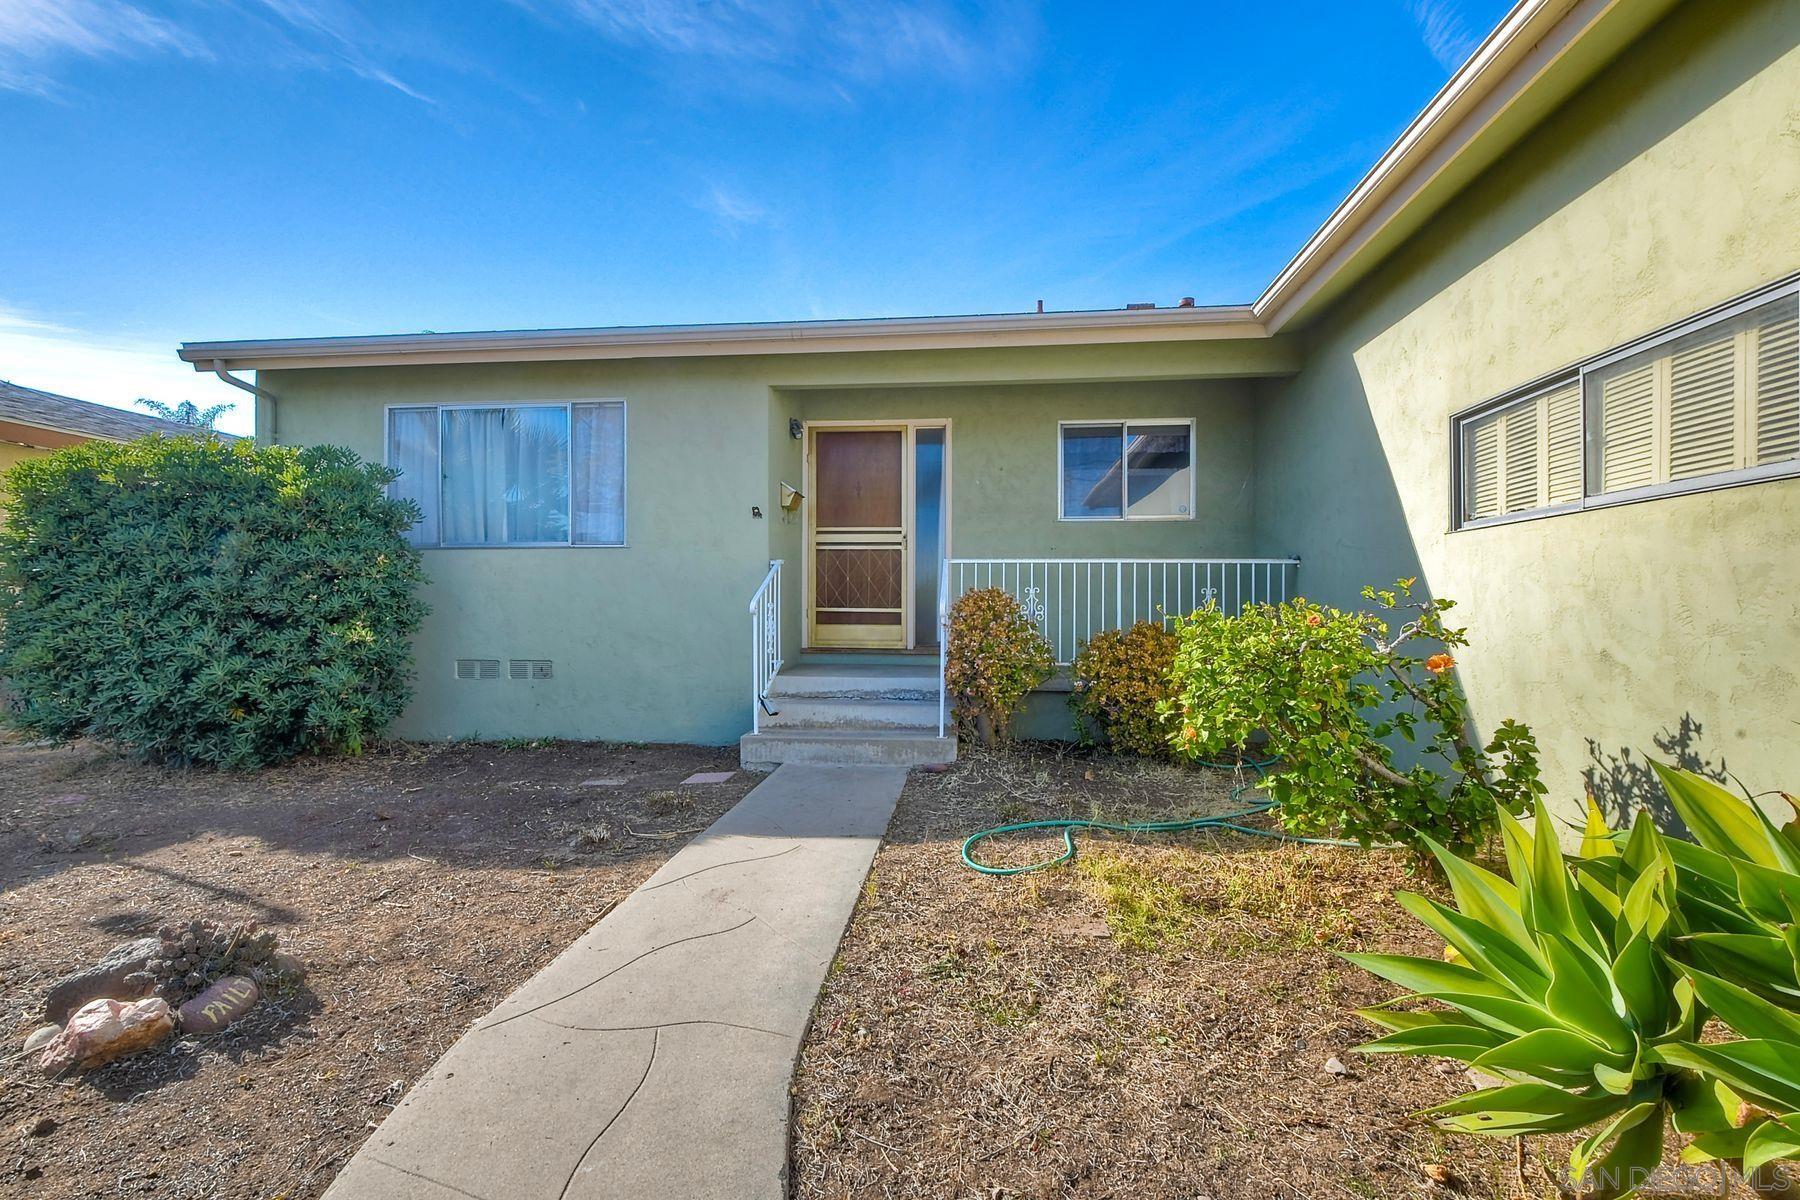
(218, 368)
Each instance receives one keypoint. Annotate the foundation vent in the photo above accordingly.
(478, 668)
(529, 668)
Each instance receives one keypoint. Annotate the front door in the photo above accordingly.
(859, 530)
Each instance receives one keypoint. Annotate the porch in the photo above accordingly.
(836, 705)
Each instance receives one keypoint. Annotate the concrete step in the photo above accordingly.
(855, 682)
(893, 747)
(842, 712)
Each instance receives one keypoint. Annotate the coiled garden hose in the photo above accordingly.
(1071, 825)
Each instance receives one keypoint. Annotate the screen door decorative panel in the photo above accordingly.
(859, 538)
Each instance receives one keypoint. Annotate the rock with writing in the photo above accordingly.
(219, 1005)
(105, 980)
(104, 1030)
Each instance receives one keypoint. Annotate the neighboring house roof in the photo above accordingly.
(1539, 55)
(26, 413)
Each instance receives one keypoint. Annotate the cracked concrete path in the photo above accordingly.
(652, 1058)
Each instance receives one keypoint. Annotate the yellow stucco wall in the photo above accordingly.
(1669, 627)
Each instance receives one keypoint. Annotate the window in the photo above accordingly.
(1712, 402)
(514, 475)
(1126, 470)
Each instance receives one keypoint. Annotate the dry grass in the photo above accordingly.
(420, 885)
(1153, 1021)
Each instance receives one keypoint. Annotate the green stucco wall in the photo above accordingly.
(651, 641)
(1669, 627)
(1003, 463)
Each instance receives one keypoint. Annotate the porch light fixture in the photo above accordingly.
(795, 429)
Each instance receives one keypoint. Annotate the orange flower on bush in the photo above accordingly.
(1437, 664)
(1314, 619)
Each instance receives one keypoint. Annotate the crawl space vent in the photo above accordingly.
(528, 668)
(478, 668)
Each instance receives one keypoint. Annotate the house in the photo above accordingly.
(1542, 358)
(34, 423)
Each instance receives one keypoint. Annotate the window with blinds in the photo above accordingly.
(1722, 398)
(1524, 456)
(1713, 402)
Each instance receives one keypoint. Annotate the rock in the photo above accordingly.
(219, 1005)
(1335, 1066)
(105, 980)
(1436, 1172)
(104, 1030)
(40, 1037)
(42, 1127)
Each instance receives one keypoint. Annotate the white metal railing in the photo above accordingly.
(765, 642)
(943, 628)
(1071, 599)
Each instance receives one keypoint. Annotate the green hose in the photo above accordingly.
(1222, 821)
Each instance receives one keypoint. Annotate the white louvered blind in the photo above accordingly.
(1777, 390)
(1524, 456)
(1722, 399)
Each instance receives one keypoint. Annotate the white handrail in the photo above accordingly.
(765, 641)
(943, 628)
(1071, 599)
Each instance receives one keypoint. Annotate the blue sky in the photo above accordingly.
(193, 169)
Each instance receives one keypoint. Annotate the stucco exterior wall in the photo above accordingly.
(1669, 627)
(1003, 463)
(651, 640)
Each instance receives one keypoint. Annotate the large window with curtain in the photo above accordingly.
(512, 475)
(1711, 402)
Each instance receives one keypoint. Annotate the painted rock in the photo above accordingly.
(107, 1029)
(219, 1005)
(41, 1037)
(105, 980)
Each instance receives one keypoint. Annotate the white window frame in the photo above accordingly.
(568, 407)
(1787, 288)
(1125, 424)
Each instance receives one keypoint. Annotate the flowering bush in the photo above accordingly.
(1328, 687)
(994, 658)
(1121, 678)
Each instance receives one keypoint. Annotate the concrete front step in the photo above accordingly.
(853, 681)
(843, 712)
(894, 747)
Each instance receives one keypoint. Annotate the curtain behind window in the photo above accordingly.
(506, 476)
(413, 451)
(599, 438)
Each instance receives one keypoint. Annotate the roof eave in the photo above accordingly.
(793, 337)
(1533, 38)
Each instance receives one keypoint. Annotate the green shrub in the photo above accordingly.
(1120, 685)
(994, 658)
(1580, 987)
(1328, 688)
(206, 602)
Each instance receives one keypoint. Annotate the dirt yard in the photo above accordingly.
(420, 884)
(1158, 1020)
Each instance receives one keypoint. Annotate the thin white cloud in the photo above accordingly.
(39, 36)
(827, 39)
(347, 39)
(35, 34)
(732, 208)
(1444, 30)
(109, 368)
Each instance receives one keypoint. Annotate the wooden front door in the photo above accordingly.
(859, 527)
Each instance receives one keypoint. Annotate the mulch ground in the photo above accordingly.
(1155, 1020)
(419, 884)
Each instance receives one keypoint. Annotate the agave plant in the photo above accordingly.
(1579, 988)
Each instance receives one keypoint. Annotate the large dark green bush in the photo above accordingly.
(206, 602)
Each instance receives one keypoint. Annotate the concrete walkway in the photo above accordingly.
(653, 1057)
